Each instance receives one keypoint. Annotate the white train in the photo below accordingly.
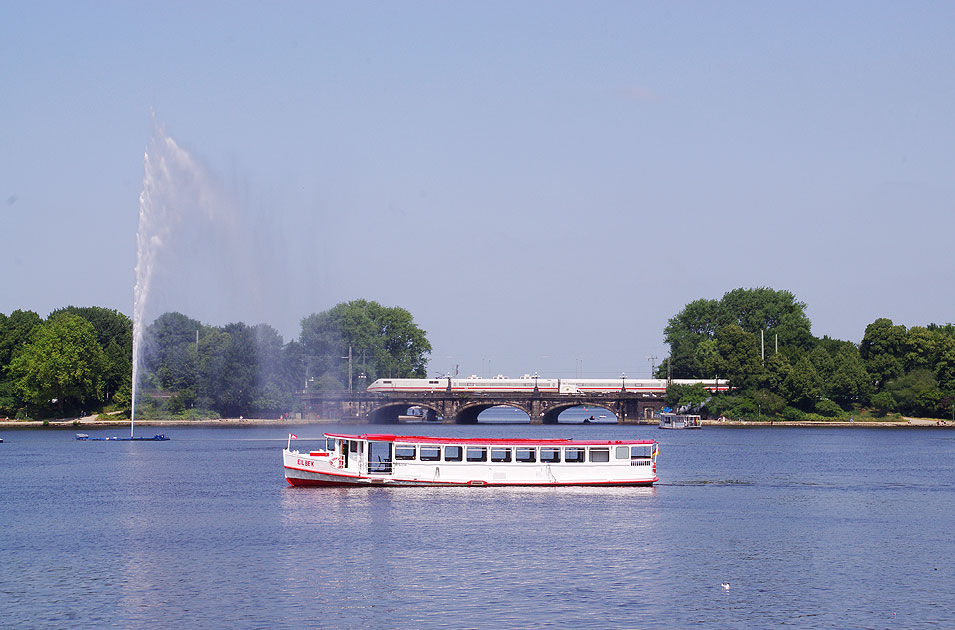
(527, 383)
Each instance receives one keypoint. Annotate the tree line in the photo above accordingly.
(761, 341)
(80, 360)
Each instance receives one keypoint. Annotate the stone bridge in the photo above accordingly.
(464, 407)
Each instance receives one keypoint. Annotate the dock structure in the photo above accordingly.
(464, 407)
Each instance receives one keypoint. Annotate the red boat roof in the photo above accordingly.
(388, 437)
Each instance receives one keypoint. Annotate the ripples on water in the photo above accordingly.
(827, 528)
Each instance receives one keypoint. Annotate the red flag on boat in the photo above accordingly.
(292, 436)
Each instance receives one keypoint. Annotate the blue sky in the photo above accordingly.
(541, 184)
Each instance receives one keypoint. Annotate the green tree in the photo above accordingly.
(769, 403)
(916, 393)
(114, 333)
(739, 356)
(15, 332)
(945, 367)
(803, 387)
(708, 357)
(849, 382)
(61, 366)
(778, 369)
(920, 349)
(882, 349)
(777, 313)
(228, 366)
(384, 342)
(275, 380)
(171, 355)
(110, 324)
(828, 408)
(884, 403)
(696, 323)
(691, 395)
(824, 365)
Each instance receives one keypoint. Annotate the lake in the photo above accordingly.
(811, 528)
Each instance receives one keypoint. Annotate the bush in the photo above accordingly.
(744, 407)
(792, 414)
(771, 404)
(829, 408)
(883, 402)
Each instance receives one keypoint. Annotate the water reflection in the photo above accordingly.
(368, 555)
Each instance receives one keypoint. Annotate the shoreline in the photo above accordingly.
(91, 422)
(903, 423)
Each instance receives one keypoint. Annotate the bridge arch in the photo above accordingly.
(388, 413)
(468, 413)
(552, 412)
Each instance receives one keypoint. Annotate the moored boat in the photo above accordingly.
(679, 421)
(404, 460)
(156, 438)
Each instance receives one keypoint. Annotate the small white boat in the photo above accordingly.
(404, 460)
(679, 421)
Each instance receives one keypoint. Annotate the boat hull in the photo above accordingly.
(299, 478)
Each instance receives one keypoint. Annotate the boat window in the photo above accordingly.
(352, 446)
(404, 451)
(574, 454)
(430, 453)
(500, 454)
(477, 454)
(330, 445)
(550, 454)
(453, 453)
(600, 454)
(639, 451)
(525, 454)
(622, 452)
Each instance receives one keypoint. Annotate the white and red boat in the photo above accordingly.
(406, 460)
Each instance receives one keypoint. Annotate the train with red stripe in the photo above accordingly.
(529, 384)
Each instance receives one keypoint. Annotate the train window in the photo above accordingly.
(600, 454)
(550, 454)
(574, 454)
(453, 453)
(386, 382)
(622, 452)
(477, 454)
(500, 454)
(404, 451)
(432, 382)
(430, 453)
(525, 454)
